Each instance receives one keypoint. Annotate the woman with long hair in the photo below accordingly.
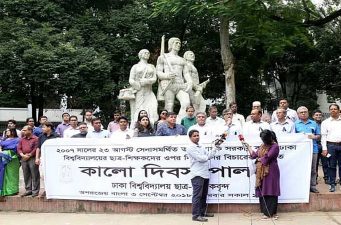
(143, 128)
(267, 174)
(162, 118)
(9, 164)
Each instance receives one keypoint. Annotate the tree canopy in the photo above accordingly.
(85, 48)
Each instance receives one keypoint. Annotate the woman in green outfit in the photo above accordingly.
(9, 164)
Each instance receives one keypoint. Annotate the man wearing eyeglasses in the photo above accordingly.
(83, 131)
(309, 127)
(73, 128)
(283, 125)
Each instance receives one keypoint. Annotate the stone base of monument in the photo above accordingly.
(318, 202)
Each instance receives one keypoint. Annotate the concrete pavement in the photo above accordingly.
(312, 218)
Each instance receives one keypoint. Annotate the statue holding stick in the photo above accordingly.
(174, 77)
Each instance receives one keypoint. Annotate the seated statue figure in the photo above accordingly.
(175, 80)
(197, 100)
(142, 77)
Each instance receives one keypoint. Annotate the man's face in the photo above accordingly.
(10, 125)
(228, 116)
(26, 132)
(280, 113)
(201, 119)
(255, 115)
(97, 125)
(234, 108)
(190, 112)
(46, 129)
(42, 120)
(88, 116)
(123, 124)
(66, 117)
(30, 122)
(195, 137)
(284, 104)
(334, 111)
(303, 114)
(116, 116)
(73, 122)
(171, 119)
(317, 117)
(213, 113)
(83, 128)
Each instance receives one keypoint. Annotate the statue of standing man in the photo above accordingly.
(197, 100)
(175, 79)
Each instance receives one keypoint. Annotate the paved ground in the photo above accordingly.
(314, 218)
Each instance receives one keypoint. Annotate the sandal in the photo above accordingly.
(264, 217)
(275, 217)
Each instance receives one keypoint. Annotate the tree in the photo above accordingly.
(248, 17)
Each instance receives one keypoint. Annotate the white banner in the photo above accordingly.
(156, 169)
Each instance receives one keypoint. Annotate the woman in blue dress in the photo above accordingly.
(9, 164)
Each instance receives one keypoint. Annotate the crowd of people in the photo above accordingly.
(22, 147)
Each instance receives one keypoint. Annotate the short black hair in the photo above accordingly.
(29, 118)
(334, 104)
(48, 124)
(171, 114)
(95, 119)
(317, 111)
(123, 118)
(191, 132)
(65, 113)
(12, 121)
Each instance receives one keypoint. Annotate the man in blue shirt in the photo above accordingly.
(170, 128)
(309, 127)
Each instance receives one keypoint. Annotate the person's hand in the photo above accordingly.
(311, 136)
(324, 153)
(25, 157)
(37, 162)
(199, 88)
(171, 76)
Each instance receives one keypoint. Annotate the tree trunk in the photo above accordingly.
(33, 101)
(228, 61)
(40, 106)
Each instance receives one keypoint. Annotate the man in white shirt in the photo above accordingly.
(236, 116)
(231, 127)
(291, 114)
(124, 132)
(201, 125)
(282, 125)
(255, 125)
(97, 131)
(331, 142)
(73, 127)
(213, 120)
